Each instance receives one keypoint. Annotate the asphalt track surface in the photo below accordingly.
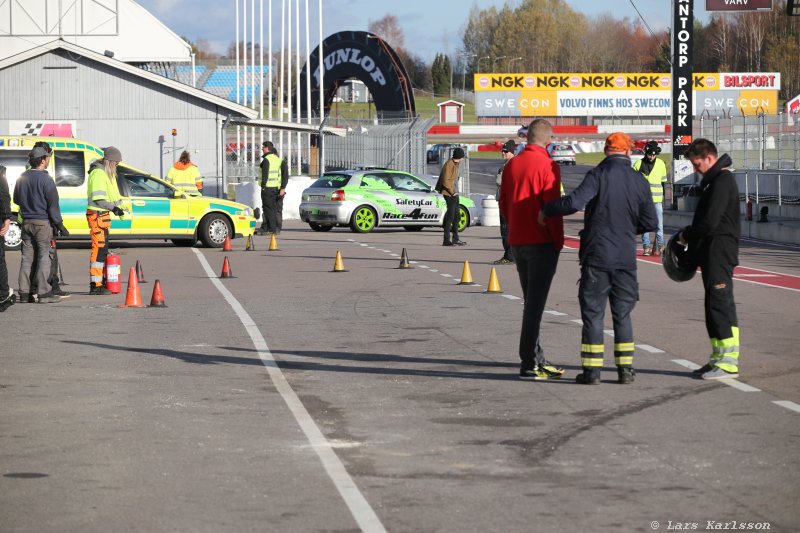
(292, 398)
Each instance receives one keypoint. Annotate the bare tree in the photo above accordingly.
(388, 29)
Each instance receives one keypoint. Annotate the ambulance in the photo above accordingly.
(154, 209)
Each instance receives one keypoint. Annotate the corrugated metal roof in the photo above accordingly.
(57, 44)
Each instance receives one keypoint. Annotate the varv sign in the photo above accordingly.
(738, 5)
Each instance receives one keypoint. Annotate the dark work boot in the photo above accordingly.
(98, 290)
(625, 375)
(588, 377)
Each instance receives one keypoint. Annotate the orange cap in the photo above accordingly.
(618, 142)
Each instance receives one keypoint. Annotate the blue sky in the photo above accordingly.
(429, 27)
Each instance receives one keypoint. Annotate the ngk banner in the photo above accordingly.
(622, 95)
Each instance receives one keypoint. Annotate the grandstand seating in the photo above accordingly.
(222, 82)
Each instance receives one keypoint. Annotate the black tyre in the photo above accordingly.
(320, 227)
(364, 219)
(213, 229)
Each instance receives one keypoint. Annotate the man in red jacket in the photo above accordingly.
(530, 180)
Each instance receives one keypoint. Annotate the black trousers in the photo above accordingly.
(507, 254)
(269, 202)
(621, 290)
(720, 308)
(536, 266)
(3, 270)
(451, 219)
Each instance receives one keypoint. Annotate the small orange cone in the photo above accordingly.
(466, 275)
(273, 244)
(226, 269)
(133, 298)
(250, 245)
(338, 266)
(139, 272)
(494, 285)
(404, 260)
(227, 246)
(157, 300)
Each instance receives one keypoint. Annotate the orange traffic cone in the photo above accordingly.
(338, 266)
(404, 260)
(226, 269)
(227, 246)
(494, 285)
(466, 275)
(250, 245)
(139, 272)
(273, 244)
(133, 298)
(157, 300)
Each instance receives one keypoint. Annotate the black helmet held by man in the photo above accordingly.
(678, 261)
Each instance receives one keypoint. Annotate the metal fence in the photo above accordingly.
(764, 142)
(396, 144)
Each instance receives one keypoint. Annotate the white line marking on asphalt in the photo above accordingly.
(755, 275)
(446, 275)
(424, 266)
(609, 332)
(556, 313)
(395, 255)
(688, 364)
(789, 405)
(358, 505)
(363, 244)
(648, 348)
(433, 270)
(744, 387)
(577, 321)
(511, 297)
(414, 262)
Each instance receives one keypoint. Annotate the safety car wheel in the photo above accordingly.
(320, 227)
(463, 218)
(363, 219)
(213, 229)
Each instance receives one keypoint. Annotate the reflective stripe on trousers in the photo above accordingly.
(99, 223)
(725, 352)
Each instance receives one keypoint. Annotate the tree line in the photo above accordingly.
(552, 37)
(549, 36)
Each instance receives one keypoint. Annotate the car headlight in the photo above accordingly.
(245, 212)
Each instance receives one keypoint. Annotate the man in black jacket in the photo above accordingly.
(714, 239)
(619, 206)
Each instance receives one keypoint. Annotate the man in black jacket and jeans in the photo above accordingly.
(619, 206)
(714, 239)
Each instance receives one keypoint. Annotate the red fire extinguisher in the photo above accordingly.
(113, 273)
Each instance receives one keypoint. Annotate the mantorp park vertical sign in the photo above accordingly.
(683, 109)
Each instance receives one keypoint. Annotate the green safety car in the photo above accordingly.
(366, 199)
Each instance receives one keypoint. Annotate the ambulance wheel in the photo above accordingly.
(14, 236)
(213, 229)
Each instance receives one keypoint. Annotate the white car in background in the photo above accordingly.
(637, 154)
(561, 153)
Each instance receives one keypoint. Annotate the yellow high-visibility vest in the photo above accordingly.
(274, 174)
(657, 176)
